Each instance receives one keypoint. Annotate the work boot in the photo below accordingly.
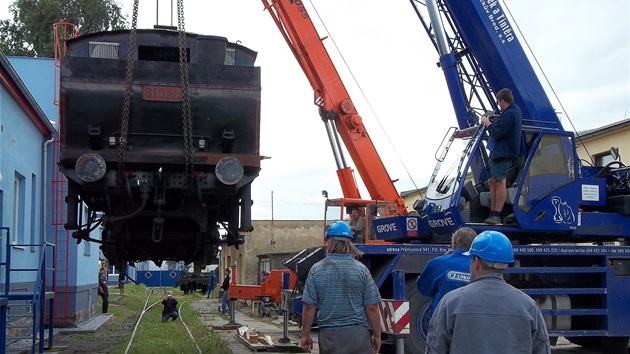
(493, 220)
(510, 219)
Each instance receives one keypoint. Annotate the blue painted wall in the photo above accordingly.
(38, 75)
(24, 129)
(153, 276)
(21, 168)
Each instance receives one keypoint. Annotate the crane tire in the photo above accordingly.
(418, 311)
(615, 345)
(609, 345)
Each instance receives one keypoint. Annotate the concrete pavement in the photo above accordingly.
(209, 313)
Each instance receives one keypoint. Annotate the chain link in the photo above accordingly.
(187, 119)
(124, 125)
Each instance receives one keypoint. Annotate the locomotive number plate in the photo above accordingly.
(162, 93)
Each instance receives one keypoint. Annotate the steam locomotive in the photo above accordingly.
(160, 147)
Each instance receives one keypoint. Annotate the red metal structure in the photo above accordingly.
(271, 287)
(335, 106)
(62, 31)
(268, 292)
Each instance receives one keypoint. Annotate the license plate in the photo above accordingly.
(162, 93)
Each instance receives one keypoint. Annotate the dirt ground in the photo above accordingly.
(107, 339)
(110, 336)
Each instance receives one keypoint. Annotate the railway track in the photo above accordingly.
(148, 307)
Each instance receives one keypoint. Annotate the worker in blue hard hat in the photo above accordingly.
(488, 315)
(344, 292)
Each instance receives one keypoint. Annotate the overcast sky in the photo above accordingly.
(583, 47)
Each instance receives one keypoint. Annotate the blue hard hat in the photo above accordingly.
(492, 246)
(339, 230)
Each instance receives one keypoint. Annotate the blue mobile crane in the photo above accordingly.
(570, 224)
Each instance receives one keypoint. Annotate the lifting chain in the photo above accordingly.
(124, 126)
(187, 120)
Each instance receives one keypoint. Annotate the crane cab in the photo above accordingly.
(340, 209)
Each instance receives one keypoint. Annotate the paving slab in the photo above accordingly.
(90, 326)
(209, 314)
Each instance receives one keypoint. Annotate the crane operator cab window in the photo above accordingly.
(377, 211)
(551, 167)
(357, 223)
(359, 215)
(352, 214)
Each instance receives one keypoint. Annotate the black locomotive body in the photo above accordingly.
(161, 186)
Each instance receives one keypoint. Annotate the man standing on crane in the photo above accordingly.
(507, 146)
(344, 292)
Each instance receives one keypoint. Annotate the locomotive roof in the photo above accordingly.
(173, 32)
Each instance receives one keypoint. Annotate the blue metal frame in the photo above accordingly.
(490, 57)
(38, 298)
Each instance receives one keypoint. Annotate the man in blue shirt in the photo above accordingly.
(344, 292)
(212, 283)
(450, 271)
(506, 132)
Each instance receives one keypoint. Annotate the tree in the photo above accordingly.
(30, 31)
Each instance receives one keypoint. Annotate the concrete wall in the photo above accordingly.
(289, 236)
(82, 305)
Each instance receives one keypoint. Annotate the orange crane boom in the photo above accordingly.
(336, 108)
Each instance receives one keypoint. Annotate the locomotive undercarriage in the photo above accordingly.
(153, 218)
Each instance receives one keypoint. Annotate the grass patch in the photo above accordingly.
(153, 336)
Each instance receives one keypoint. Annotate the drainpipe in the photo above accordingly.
(44, 182)
(44, 220)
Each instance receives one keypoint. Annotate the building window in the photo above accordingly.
(34, 210)
(86, 244)
(265, 265)
(19, 191)
(1, 204)
(603, 158)
(171, 265)
(87, 251)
